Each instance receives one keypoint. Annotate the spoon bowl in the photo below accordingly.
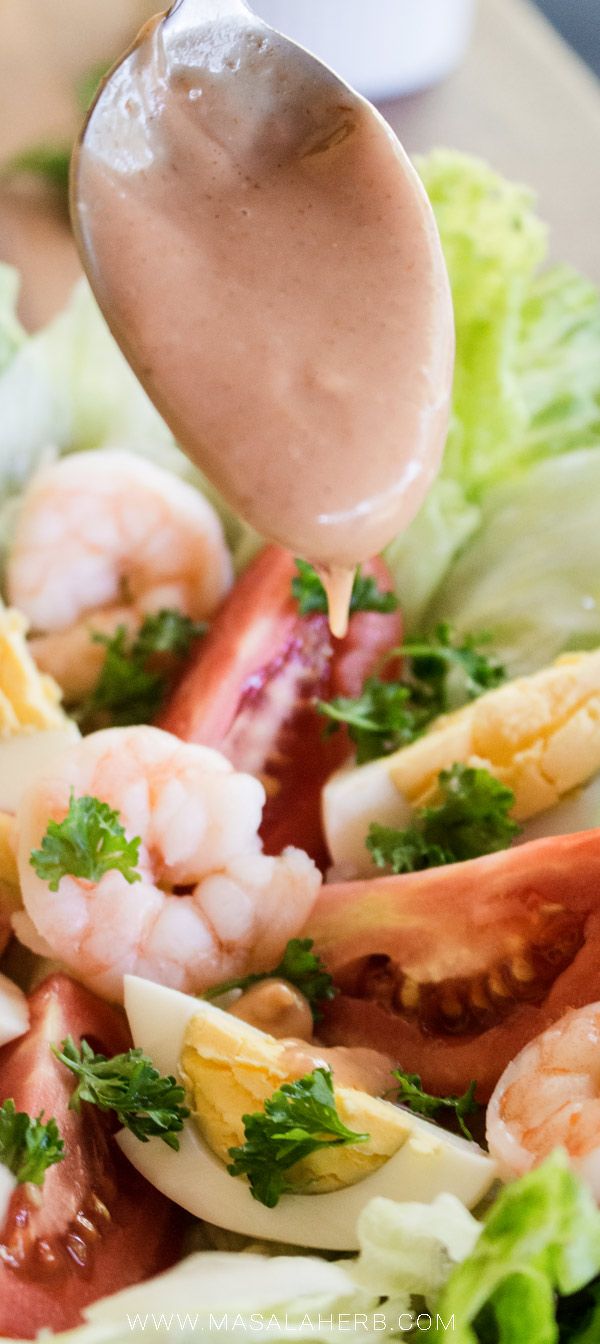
(268, 261)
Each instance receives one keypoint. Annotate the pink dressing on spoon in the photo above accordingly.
(267, 259)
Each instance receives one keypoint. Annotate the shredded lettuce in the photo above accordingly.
(283, 1294)
(408, 1250)
(541, 1240)
(527, 377)
(531, 576)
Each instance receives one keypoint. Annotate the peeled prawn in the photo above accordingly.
(548, 1097)
(102, 539)
(210, 905)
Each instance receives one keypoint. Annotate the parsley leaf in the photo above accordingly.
(404, 851)
(299, 1119)
(311, 596)
(367, 596)
(89, 842)
(167, 631)
(380, 720)
(471, 819)
(28, 1147)
(128, 1084)
(136, 673)
(440, 674)
(126, 691)
(436, 657)
(411, 1094)
(300, 967)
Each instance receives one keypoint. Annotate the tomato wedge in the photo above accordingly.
(453, 970)
(251, 686)
(95, 1225)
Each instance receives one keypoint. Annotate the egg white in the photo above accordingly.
(577, 811)
(428, 1163)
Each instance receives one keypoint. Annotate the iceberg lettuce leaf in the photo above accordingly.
(527, 376)
(540, 1239)
(409, 1250)
(420, 557)
(493, 244)
(531, 575)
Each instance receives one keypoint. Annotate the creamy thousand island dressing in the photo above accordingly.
(281, 1010)
(269, 262)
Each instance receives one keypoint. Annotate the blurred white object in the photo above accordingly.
(380, 47)
(14, 1012)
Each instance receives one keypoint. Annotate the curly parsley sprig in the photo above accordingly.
(299, 1119)
(28, 1146)
(384, 717)
(89, 842)
(441, 672)
(136, 673)
(311, 597)
(128, 1084)
(471, 818)
(411, 1094)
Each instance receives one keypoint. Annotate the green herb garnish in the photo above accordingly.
(136, 673)
(471, 819)
(411, 1094)
(128, 1084)
(89, 842)
(300, 967)
(299, 1119)
(311, 596)
(167, 631)
(441, 672)
(435, 658)
(28, 1147)
(383, 718)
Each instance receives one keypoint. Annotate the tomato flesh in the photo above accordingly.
(250, 691)
(453, 970)
(95, 1226)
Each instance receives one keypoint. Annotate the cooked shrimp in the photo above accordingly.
(102, 539)
(209, 906)
(549, 1096)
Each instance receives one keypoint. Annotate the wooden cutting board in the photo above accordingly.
(521, 99)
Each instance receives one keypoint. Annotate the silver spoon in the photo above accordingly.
(268, 261)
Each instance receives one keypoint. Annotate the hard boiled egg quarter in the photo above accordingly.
(539, 735)
(34, 729)
(424, 1160)
(28, 699)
